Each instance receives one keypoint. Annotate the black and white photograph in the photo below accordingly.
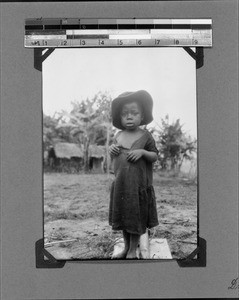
(120, 153)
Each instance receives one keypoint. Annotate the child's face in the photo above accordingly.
(131, 116)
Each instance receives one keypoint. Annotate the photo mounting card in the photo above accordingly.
(23, 196)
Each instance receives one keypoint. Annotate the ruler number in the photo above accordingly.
(101, 42)
(139, 42)
(176, 42)
(82, 42)
(195, 42)
(44, 43)
(63, 43)
(35, 43)
(120, 42)
(157, 42)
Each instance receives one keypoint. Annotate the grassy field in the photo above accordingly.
(76, 215)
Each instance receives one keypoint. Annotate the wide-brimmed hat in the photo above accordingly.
(142, 97)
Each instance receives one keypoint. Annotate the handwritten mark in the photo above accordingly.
(234, 284)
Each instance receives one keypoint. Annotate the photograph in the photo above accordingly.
(120, 149)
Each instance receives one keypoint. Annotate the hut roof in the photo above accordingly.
(96, 151)
(67, 150)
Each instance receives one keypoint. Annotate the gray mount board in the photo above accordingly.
(21, 164)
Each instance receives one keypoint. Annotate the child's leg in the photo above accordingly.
(134, 242)
(144, 245)
(123, 253)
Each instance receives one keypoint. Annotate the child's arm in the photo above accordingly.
(150, 153)
(150, 156)
(135, 155)
(114, 150)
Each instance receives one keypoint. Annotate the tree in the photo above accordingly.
(53, 133)
(80, 122)
(174, 145)
(103, 103)
(89, 122)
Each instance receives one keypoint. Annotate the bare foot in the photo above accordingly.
(144, 245)
(120, 255)
(134, 242)
(131, 255)
(144, 254)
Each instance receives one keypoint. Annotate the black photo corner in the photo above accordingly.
(45, 260)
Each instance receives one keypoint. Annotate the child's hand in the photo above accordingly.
(114, 150)
(135, 155)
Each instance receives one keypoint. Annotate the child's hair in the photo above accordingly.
(142, 98)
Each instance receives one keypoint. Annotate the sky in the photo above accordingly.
(168, 74)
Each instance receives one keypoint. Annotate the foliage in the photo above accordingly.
(89, 122)
(103, 103)
(174, 145)
(52, 133)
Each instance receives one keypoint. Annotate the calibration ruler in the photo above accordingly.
(85, 33)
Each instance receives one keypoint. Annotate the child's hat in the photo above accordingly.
(142, 97)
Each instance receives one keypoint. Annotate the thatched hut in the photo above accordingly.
(97, 158)
(65, 157)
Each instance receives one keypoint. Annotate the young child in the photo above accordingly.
(132, 199)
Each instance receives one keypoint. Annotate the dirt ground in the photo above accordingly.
(76, 215)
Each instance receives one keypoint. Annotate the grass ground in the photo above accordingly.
(76, 215)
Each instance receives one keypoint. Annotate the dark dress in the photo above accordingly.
(132, 198)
